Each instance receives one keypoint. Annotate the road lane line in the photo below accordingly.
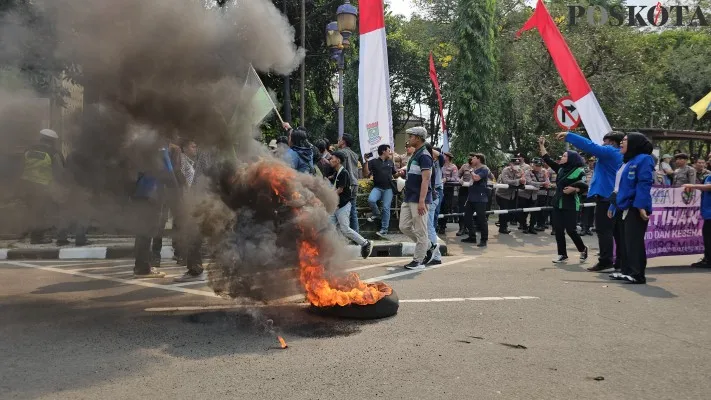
(135, 282)
(461, 299)
(95, 268)
(410, 272)
(389, 263)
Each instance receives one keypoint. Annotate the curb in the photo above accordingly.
(387, 249)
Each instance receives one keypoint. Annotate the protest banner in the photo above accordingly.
(675, 224)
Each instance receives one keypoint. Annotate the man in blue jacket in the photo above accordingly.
(609, 160)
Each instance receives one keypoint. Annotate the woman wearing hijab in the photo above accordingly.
(631, 205)
(566, 200)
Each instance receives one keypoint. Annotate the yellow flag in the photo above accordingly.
(702, 107)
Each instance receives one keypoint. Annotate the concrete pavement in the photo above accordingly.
(503, 323)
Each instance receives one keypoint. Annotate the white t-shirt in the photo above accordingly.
(618, 177)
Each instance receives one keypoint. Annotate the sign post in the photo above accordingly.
(566, 114)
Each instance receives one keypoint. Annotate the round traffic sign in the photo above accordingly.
(566, 113)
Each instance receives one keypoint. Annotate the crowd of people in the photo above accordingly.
(539, 192)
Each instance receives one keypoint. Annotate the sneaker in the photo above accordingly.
(62, 242)
(430, 253)
(504, 231)
(469, 240)
(584, 255)
(415, 265)
(599, 267)
(371, 218)
(634, 281)
(382, 232)
(532, 231)
(560, 259)
(366, 249)
(434, 262)
(540, 228)
(482, 244)
(616, 276)
(460, 232)
(189, 277)
(151, 275)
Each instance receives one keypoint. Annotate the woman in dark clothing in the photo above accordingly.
(566, 200)
(631, 205)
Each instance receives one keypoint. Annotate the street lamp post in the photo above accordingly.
(338, 35)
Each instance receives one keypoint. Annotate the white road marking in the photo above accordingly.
(131, 271)
(461, 299)
(392, 262)
(104, 267)
(136, 282)
(410, 272)
(531, 256)
(227, 307)
(181, 284)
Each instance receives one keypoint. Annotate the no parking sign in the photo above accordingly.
(566, 113)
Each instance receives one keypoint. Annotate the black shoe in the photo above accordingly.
(504, 231)
(584, 255)
(616, 276)
(540, 228)
(482, 244)
(633, 280)
(460, 232)
(532, 231)
(701, 264)
(430, 253)
(599, 267)
(366, 249)
(64, 242)
(415, 265)
(434, 262)
(469, 239)
(560, 259)
(552, 233)
(81, 244)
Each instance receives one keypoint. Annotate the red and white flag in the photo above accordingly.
(435, 82)
(374, 115)
(591, 114)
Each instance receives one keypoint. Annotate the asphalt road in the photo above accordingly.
(504, 323)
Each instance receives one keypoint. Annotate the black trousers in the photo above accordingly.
(604, 227)
(587, 217)
(461, 202)
(480, 218)
(706, 232)
(635, 256)
(447, 206)
(564, 221)
(505, 204)
(538, 218)
(147, 231)
(522, 218)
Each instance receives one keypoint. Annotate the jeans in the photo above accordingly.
(341, 220)
(354, 211)
(386, 195)
(432, 226)
(414, 226)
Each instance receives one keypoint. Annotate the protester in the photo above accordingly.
(537, 178)
(609, 161)
(351, 165)
(324, 164)
(382, 169)
(401, 160)
(437, 193)
(587, 214)
(701, 171)
(342, 183)
(417, 199)
(684, 173)
(705, 188)
(566, 201)
(465, 179)
(450, 175)
(153, 187)
(632, 206)
(300, 153)
(666, 168)
(43, 167)
(513, 176)
(477, 199)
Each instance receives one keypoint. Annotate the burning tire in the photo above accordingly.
(385, 307)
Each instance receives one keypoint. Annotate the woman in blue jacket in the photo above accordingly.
(631, 206)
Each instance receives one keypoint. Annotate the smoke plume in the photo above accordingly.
(153, 71)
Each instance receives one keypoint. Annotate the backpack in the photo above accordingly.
(38, 167)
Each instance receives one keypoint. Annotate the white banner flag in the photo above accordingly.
(375, 124)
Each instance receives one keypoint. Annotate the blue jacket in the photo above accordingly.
(636, 185)
(149, 184)
(301, 159)
(609, 160)
(706, 201)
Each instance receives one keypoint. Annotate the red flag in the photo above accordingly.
(592, 116)
(435, 82)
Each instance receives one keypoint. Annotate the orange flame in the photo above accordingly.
(320, 291)
(282, 342)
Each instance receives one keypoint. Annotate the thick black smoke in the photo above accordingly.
(153, 71)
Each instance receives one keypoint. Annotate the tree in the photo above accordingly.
(474, 117)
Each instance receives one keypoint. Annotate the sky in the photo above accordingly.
(404, 7)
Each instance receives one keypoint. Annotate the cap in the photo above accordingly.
(537, 162)
(682, 156)
(419, 131)
(273, 144)
(666, 156)
(49, 133)
(448, 154)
